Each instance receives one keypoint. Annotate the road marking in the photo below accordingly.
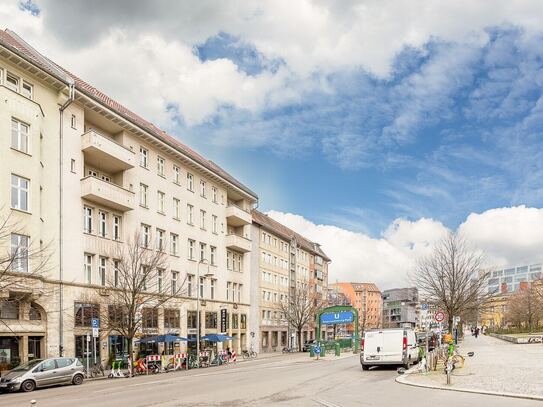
(326, 403)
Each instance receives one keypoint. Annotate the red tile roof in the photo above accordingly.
(14, 43)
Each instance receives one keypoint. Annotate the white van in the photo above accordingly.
(393, 346)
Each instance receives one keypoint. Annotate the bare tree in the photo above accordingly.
(525, 308)
(300, 308)
(452, 278)
(136, 289)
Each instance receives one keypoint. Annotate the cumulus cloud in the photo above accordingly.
(507, 236)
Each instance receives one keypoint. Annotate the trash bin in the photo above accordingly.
(312, 351)
(323, 350)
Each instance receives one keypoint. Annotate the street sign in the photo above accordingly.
(424, 306)
(223, 320)
(95, 332)
(88, 338)
(95, 323)
(439, 316)
(341, 317)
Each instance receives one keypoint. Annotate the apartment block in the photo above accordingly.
(82, 175)
(401, 307)
(282, 259)
(366, 299)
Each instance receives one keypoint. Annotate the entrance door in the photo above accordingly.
(34, 347)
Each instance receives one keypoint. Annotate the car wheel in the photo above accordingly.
(365, 367)
(28, 385)
(78, 379)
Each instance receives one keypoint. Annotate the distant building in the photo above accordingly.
(509, 279)
(400, 307)
(366, 299)
(336, 297)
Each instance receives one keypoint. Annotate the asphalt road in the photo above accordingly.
(286, 380)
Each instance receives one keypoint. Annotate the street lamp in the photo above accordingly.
(208, 274)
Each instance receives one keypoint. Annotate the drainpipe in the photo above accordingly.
(71, 98)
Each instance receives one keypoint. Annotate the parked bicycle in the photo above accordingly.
(248, 354)
(95, 371)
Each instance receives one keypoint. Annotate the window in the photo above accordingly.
(212, 289)
(202, 251)
(149, 318)
(19, 135)
(116, 227)
(176, 209)
(19, 253)
(73, 122)
(102, 270)
(160, 240)
(85, 313)
(160, 280)
(143, 195)
(175, 277)
(145, 235)
(12, 82)
(214, 224)
(214, 194)
(9, 310)
(211, 320)
(190, 182)
(160, 166)
(191, 319)
(202, 219)
(102, 226)
(212, 253)
(176, 175)
(190, 280)
(243, 321)
(202, 188)
(201, 287)
(228, 260)
(160, 197)
(235, 321)
(87, 268)
(19, 192)
(27, 90)
(191, 249)
(172, 318)
(72, 165)
(189, 214)
(144, 157)
(34, 313)
(228, 284)
(174, 244)
(87, 219)
(116, 265)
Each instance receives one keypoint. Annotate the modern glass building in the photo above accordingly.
(509, 279)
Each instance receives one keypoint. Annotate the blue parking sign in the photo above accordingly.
(317, 349)
(95, 323)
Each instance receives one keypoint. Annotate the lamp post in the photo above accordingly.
(208, 274)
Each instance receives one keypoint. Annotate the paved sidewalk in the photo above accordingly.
(498, 367)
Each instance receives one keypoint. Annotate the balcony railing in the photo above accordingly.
(236, 216)
(238, 243)
(105, 153)
(106, 193)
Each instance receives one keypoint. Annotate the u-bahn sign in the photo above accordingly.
(340, 317)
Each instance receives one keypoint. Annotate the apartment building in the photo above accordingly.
(401, 307)
(82, 176)
(281, 260)
(366, 299)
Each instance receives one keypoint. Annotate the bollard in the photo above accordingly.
(338, 349)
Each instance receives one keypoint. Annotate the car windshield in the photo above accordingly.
(25, 367)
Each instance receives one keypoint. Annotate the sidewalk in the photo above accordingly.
(498, 367)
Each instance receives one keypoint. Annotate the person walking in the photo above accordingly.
(476, 332)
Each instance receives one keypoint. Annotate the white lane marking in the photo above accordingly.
(326, 403)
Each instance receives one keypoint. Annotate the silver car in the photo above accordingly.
(43, 372)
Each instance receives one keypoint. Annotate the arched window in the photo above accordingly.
(34, 314)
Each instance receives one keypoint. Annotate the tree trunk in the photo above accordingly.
(299, 340)
(451, 323)
(130, 353)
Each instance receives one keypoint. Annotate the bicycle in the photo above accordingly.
(95, 370)
(248, 354)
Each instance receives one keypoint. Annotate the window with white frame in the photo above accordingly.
(160, 163)
(19, 192)
(176, 175)
(214, 224)
(87, 268)
(203, 250)
(144, 157)
(191, 249)
(202, 219)
(228, 260)
(145, 235)
(161, 196)
(20, 136)
(176, 209)
(102, 223)
(202, 287)
(202, 188)
(19, 253)
(190, 282)
(212, 285)
(175, 277)
(190, 211)
(116, 272)
(102, 270)
(87, 219)
(214, 194)
(116, 227)
(160, 280)
(73, 122)
(160, 236)
(190, 182)
(174, 244)
(234, 286)
(212, 254)
(143, 195)
(228, 284)
(240, 286)
(12, 82)
(27, 90)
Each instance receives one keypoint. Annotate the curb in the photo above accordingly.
(403, 380)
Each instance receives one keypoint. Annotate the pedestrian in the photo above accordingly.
(476, 332)
(228, 352)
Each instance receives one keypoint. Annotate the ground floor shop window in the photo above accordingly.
(34, 347)
(211, 320)
(9, 352)
(86, 350)
(118, 348)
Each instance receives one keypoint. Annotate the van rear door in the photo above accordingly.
(392, 346)
(373, 344)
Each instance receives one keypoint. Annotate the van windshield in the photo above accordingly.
(25, 367)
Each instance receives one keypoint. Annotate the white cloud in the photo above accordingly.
(506, 236)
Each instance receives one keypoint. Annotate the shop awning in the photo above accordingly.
(216, 338)
(162, 338)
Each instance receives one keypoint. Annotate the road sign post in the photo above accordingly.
(95, 326)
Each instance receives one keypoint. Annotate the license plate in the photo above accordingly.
(374, 357)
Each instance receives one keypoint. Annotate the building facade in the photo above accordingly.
(366, 299)
(509, 279)
(400, 307)
(82, 176)
(282, 259)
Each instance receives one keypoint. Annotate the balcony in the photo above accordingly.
(235, 216)
(106, 154)
(238, 243)
(107, 194)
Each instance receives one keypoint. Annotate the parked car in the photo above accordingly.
(41, 373)
(307, 345)
(393, 346)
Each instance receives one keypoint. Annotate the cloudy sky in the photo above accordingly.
(372, 127)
